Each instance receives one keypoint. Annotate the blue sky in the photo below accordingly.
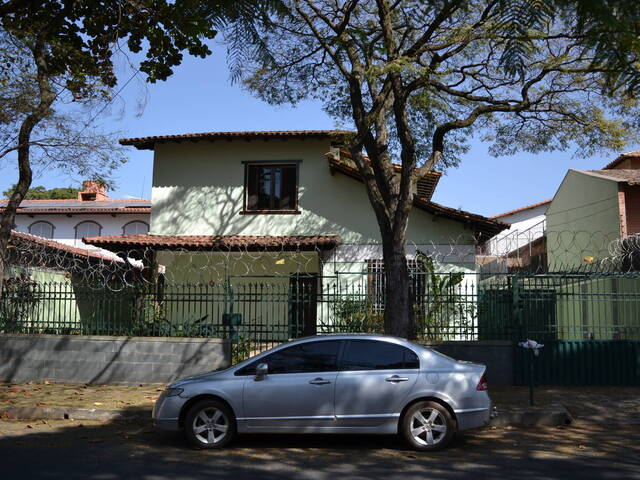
(199, 97)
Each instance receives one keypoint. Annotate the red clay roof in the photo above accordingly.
(32, 211)
(621, 158)
(481, 224)
(426, 185)
(147, 143)
(19, 237)
(71, 205)
(631, 177)
(522, 209)
(214, 242)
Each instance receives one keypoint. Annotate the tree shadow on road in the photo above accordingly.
(132, 449)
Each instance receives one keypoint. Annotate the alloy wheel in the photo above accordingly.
(210, 425)
(428, 427)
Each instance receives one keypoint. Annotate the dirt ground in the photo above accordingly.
(104, 397)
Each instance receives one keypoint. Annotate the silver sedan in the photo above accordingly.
(332, 384)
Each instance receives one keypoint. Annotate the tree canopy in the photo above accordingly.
(43, 193)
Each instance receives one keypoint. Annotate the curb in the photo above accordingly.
(57, 413)
(558, 415)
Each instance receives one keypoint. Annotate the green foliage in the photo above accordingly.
(355, 315)
(469, 76)
(243, 349)
(18, 300)
(42, 193)
(441, 306)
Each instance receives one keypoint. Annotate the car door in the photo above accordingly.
(297, 392)
(375, 378)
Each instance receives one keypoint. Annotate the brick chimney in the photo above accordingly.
(92, 190)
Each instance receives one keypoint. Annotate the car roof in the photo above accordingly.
(356, 336)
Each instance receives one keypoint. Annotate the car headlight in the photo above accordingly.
(173, 392)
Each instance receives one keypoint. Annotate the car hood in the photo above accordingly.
(197, 378)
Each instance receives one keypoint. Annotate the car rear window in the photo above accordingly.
(376, 355)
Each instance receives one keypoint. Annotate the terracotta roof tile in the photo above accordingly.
(32, 211)
(214, 242)
(60, 206)
(621, 158)
(426, 185)
(19, 238)
(522, 209)
(147, 143)
(631, 177)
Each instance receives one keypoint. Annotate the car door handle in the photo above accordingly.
(396, 379)
(319, 381)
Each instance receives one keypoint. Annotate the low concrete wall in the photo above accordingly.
(108, 360)
(496, 355)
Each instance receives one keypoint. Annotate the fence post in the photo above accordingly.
(516, 312)
(516, 291)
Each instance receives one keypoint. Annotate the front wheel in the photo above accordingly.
(209, 424)
(427, 426)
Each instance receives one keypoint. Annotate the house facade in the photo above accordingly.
(286, 209)
(287, 186)
(92, 214)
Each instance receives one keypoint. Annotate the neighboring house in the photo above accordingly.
(521, 246)
(526, 225)
(271, 206)
(92, 214)
(45, 288)
(592, 212)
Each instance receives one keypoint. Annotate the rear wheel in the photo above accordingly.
(427, 426)
(209, 424)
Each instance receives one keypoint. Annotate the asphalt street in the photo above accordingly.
(103, 451)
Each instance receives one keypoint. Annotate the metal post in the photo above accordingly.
(531, 369)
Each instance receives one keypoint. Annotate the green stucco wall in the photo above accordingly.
(582, 220)
(198, 190)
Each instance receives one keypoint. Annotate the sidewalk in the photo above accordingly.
(553, 405)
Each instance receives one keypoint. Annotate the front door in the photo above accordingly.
(297, 392)
(303, 291)
(376, 378)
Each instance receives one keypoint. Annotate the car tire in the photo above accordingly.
(209, 424)
(427, 426)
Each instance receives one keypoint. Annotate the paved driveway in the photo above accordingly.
(93, 450)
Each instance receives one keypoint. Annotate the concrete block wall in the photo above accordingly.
(496, 355)
(108, 360)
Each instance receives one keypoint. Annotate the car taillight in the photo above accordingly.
(482, 384)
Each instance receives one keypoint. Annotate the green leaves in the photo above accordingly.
(517, 21)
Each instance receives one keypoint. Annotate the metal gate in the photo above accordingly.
(589, 324)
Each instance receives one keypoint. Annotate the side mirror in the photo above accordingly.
(261, 371)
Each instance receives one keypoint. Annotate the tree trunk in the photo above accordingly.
(398, 313)
(24, 182)
(47, 97)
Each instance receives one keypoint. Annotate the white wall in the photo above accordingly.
(526, 226)
(64, 231)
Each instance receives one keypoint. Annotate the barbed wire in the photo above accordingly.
(542, 252)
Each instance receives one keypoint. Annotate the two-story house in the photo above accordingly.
(275, 205)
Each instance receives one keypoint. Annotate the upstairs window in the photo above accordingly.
(135, 227)
(271, 188)
(41, 229)
(87, 229)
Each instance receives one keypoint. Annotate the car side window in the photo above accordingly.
(308, 357)
(376, 355)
